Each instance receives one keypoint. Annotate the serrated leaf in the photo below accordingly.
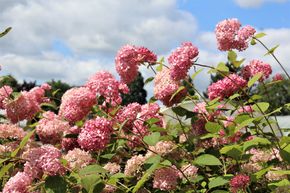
(254, 79)
(260, 35)
(234, 151)
(272, 50)
(213, 127)
(218, 181)
(152, 139)
(254, 142)
(92, 183)
(92, 169)
(207, 160)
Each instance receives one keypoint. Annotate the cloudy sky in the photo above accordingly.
(72, 39)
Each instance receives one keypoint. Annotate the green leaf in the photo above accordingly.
(261, 107)
(92, 183)
(280, 183)
(234, 151)
(49, 105)
(207, 160)
(176, 92)
(218, 181)
(222, 67)
(92, 169)
(159, 67)
(108, 156)
(254, 79)
(196, 73)
(285, 154)
(271, 51)
(55, 184)
(152, 139)
(147, 174)
(5, 169)
(254, 142)
(150, 79)
(232, 56)
(253, 42)
(5, 32)
(260, 35)
(238, 62)
(219, 191)
(256, 176)
(22, 143)
(213, 127)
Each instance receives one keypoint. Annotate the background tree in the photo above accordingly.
(137, 92)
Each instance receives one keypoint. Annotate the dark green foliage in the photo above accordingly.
(137, 92)
(17, 87)
(277, 95)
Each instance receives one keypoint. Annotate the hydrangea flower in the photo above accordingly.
(5, 92)
(78, 158)
(70, 143)
(128, 60)
(95, 134)
(255, 67)
(239, 182)
(166, 178)
(113, 168)
(165, 87)
(230, 36)
(18, 183)
(10, 131)
(226, 87)
(76, 103)
(181, 60)
(133, 165)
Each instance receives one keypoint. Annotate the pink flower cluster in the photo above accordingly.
(9, 131)
(69, 143)
(133, 165)
(44, 159)
(226, 87)
(255, 67)
(165, 87)
(166, 178)
(26, 105)
(128, 60)
(181, 60)
(278, 77)
(95, 134)
(50, 128)
(230, 36)
(78, 158)
(5, 92)
(76, 103)
(104, 84)
(18, 184)
(239, 182)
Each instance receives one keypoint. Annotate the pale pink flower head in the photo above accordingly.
(239, 182)
(5, 92)
(19, 183)
(22, 107)
(112, 167)
(95, 134)
(226, 87)
(189, 171)
(10, 131)
(104, 84)
(44, 159)
(165, 87)
(246, 109)
(166, 178)
(181, 60)
(128, 60)
(255, 67)
(133, 165)
(50, 128)
(45, 86)
(76, 103)
(129, 114)
(78, 158)
(230, 36)
(278, 77)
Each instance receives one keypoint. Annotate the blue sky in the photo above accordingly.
(209, 12)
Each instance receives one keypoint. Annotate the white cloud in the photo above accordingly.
(256, 3)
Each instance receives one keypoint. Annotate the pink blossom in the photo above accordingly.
(128, 60)
(166, 178)
(78, 158)
(255, 67)
(9, 131)
(76, 103)
(104, 84)
(50, 128)
(18, 184)
(278, 77)
(189, 171)
(239, 182)
(133, 165)
(226, 87)
(165, 87)
(95, 134)
(128, 114)
(44, 159)
(181, 60)
(246, 109)
(70, 143)
(5, 92)
(230, 36)
(45, 86)
(113, 168)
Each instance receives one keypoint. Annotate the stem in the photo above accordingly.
(273, 56)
